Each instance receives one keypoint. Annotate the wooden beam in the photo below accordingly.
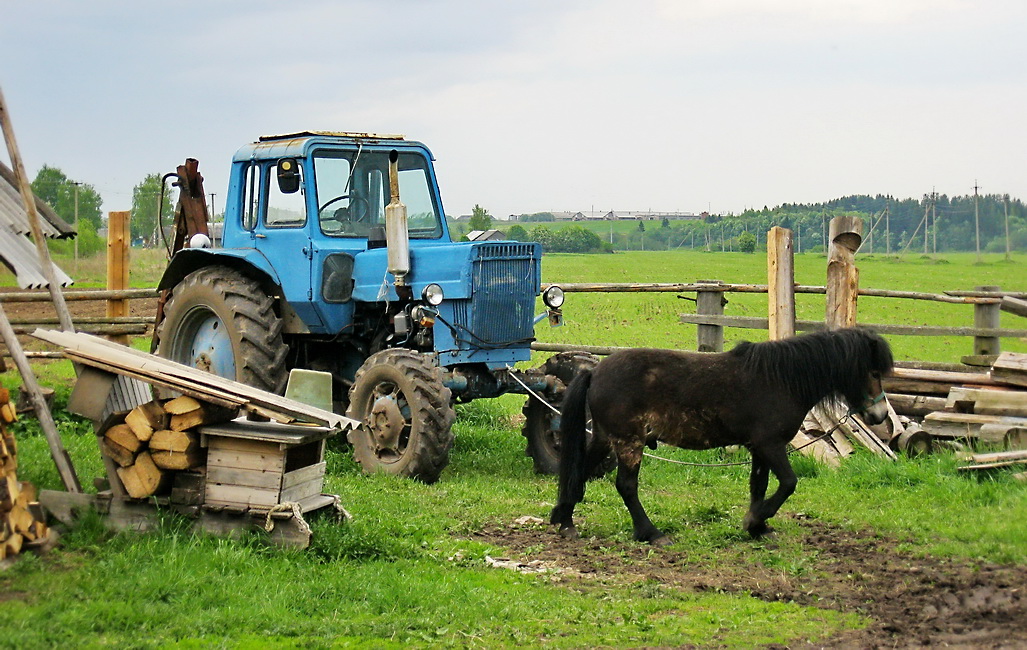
(842, 274)
(780, 283)
(117, 266)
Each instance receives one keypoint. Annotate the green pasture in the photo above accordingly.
(408, 571)
(652, 319)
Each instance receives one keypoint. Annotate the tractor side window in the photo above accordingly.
(250, 194)
(283, 210)
(415, 192)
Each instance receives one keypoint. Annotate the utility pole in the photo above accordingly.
(76, 184)
(934, 221)
(212, 195)
(1006, 206)
(977, 222)
(887, 228)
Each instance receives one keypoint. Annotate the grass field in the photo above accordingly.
(410, 570)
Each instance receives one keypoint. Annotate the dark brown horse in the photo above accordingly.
(756, 395)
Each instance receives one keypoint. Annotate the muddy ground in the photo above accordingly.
(913, 602)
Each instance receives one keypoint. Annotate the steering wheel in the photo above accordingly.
(358, 207)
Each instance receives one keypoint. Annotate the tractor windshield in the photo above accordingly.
(352, 189)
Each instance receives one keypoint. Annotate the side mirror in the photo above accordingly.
(288, 176)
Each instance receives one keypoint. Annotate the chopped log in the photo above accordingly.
(123, 435)
(180, 405)
(143, 478)
(205, 414)
(914, 442)
(120, 455)
(176, 450)
(145, 419)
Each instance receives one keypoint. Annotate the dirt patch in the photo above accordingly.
(912, 601)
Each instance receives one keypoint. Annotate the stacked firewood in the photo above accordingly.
(21, 520)
(156, 439)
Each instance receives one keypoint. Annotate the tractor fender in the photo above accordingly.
(248, 261)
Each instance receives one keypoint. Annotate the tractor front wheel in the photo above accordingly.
(542, 424)
(405, 416)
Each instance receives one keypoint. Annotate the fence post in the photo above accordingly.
(710, 302)
(842, 275)
(987, 316)
(117, 266)
(780, 283)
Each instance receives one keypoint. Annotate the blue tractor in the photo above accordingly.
(336, 257)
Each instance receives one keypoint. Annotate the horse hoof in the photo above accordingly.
(569, 532)
(662, 540)
(756, 531)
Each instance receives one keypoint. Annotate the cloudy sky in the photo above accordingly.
(538, 105)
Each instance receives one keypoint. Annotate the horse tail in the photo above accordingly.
(573, 441)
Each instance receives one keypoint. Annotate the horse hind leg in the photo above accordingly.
(628, 465)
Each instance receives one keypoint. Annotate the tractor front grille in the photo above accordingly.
(504, 282)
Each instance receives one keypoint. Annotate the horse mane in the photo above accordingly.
(832, 364)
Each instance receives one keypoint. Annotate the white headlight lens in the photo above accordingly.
(553, 297)
(432, 295)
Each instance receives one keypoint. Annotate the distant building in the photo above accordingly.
(485, 235)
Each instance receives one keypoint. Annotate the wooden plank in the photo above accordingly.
(979, 378)
(969, 425)
(912, 387)
(303, 490)
(161, 371)
(987, 402)
(217, 442)
(117, 264)
(218, 494)
(1014, 305)
(272, 461)
(268, 480)
(304, 474)
(275, 432)
(918, 405)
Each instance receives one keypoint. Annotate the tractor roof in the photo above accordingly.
(298, 144)
(334, 134)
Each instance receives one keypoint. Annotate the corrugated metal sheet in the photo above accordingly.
(12, 212)
(19, 254)
(17, 251)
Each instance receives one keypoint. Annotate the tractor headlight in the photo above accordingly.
(553, 297)
(432, 295)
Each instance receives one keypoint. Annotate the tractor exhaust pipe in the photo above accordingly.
(396, 235)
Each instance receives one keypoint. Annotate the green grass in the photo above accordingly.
(407, 570)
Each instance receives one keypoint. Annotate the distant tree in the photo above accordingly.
(666, 223)
(517, 233)
(54, 187)
(575, 239)
(542, 235)
(145, 202)
(480, 219)
(747, 242)
(537, 216)
(641, 226)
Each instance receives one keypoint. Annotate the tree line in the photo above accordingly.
(935, 223)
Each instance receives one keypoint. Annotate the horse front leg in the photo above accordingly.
(774, 459)
(628, 465)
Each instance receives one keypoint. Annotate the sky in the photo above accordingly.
(536, 105)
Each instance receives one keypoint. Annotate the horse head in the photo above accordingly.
(873, 361)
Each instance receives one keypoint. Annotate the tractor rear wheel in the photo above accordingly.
(405, 416)
(220, 321)
(542, 425)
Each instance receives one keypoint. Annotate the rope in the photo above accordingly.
(681, 462)
(301, 523)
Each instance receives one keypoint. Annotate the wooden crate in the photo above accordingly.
(257, 465)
